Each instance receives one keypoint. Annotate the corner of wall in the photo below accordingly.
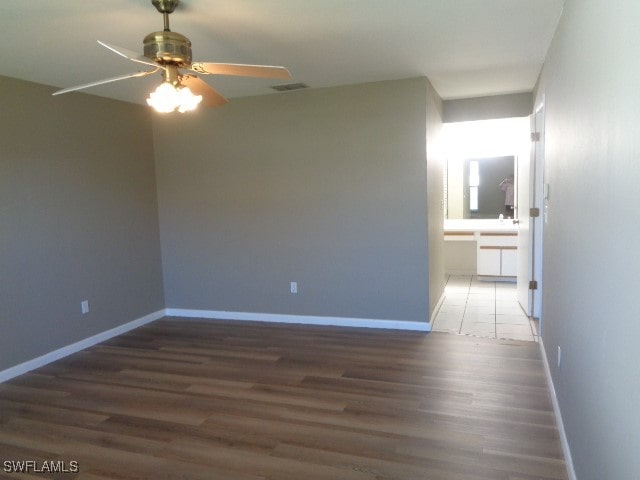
(435, 199)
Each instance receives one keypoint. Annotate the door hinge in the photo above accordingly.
(534, 212)
(535, 136)
(533, 285)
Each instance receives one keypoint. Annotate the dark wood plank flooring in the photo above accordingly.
(181, 399)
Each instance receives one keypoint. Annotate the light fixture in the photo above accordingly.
(169, 97)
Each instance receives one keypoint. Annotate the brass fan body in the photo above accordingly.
(168, 47)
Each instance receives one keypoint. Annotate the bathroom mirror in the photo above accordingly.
(494, 146)
(480, 188)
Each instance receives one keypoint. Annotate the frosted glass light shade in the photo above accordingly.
(167, 98)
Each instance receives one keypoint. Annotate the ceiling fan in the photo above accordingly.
(168, 52)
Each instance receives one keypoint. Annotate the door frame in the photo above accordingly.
(524, 193)
(539, 202)
(530, 227)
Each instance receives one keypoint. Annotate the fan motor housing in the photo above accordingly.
(165, 6)
(168, 47)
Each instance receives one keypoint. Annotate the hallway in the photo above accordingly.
(483, 309)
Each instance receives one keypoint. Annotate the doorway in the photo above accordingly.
(500, 313)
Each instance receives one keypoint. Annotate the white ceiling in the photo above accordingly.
(466, 48)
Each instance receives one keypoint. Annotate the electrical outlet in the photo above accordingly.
(294, 287)
(84, 306)
(559, 356)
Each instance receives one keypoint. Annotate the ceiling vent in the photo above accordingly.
(289, 86)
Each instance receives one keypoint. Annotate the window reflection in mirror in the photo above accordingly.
(481, 171)
(489, 188)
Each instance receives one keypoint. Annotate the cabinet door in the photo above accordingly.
(489, 261)
(509, 262)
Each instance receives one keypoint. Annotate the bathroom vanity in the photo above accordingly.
(487, 248)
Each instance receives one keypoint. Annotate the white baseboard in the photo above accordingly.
(492, 278)
(77, 346)
(301, 319)
(42, 360)
(556, 409)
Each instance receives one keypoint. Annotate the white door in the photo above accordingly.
(530, 193)
(524, 180)
(538, 201)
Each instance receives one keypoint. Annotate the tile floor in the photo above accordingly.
(483, 309)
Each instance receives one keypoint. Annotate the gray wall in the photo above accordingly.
(488, 108)
(591, 257)
(78, 218)
(326, 187)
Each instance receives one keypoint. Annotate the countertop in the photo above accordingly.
(484, 226)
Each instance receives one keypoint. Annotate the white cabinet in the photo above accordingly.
(509, 262)
(497, 254)
(489, 261)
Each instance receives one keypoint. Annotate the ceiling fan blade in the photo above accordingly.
(107, 80)
(128, 54)
(261, 71)
(210, 97)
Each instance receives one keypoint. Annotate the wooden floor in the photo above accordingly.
(182, 399)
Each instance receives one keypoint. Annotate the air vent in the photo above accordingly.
(290, 86)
